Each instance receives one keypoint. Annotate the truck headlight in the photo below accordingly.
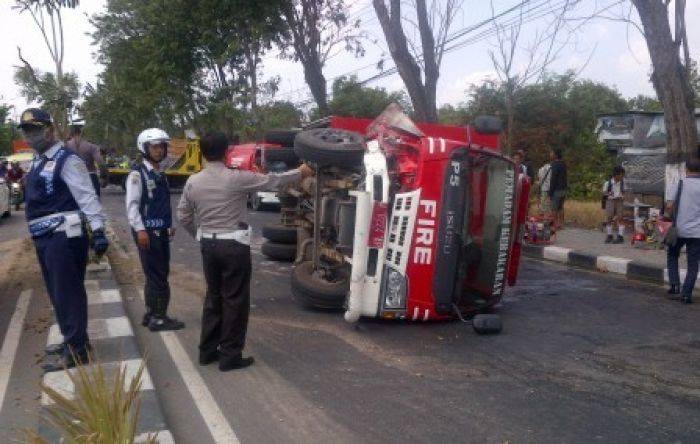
(394, 290)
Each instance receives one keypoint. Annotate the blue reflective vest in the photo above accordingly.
(155, 200)
(46, 192)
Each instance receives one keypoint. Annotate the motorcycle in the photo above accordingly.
(16, 195)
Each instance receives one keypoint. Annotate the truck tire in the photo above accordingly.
(286, 155)
(279, 252)
(284, 137)
(280, 233)
(330, 147)
(487, 324)
(316, 293)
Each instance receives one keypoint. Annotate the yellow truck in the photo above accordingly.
(184, 157)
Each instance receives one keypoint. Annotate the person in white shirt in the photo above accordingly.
(687, 218)
(150, 216)
(613, 199)
(543, 176)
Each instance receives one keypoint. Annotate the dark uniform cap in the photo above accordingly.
(35, 117)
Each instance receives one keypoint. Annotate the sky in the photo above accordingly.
(603, 50)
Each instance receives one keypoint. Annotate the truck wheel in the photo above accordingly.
(279, 252)
(280, 233)
(314, 292)
(487, 324)
(330, 147)
(286, 155)
(284, 137)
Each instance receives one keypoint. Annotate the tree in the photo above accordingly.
(6, 130)
(350, 98)
(644, 103)
(316, 29)
(557, 112)
(418, 70)
(539, 55)
(671, 77)
(47, 17)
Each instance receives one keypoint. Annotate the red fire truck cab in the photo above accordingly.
(416, 222)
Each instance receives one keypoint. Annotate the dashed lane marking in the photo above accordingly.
(11, 342)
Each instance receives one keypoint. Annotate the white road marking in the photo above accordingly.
(558, 254)
(61, 382)
(612, 264)
(11, 342)
(218, 426)
(97, 329)
(104, 297)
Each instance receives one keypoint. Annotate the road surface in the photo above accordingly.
(583, 357)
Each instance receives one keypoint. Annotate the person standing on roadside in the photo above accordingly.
(557, 187)
(216, 197)
(59, 201)
(89, 152)
(150, 217)
(686, 211)
(614, 196)
(544, 175)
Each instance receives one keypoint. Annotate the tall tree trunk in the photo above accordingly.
(313, 73)
(672, 85)
(408, 68)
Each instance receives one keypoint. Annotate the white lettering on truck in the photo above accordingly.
(504, 238)
(423, 252)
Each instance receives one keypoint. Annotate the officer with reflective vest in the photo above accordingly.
(150, 217)
(60, 202)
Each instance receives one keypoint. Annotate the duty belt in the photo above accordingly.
(241, 236)
(69, 222)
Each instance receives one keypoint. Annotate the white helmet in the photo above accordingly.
(151, 136)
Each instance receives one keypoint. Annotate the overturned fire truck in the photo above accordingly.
(405, 221)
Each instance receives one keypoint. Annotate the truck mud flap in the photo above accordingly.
(449, 242)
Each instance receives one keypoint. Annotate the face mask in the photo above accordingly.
(37, 141)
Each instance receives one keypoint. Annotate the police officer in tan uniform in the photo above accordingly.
(216, 197)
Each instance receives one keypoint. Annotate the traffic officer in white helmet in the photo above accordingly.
(150, 217)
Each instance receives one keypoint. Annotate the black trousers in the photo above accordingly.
(63, 261)
(227, 270)
(155, 263)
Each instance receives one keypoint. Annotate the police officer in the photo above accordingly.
(217, 197)
(59, 198)
(150, 217)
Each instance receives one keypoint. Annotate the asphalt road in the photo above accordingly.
(583, 357)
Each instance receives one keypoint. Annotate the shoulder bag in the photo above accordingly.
(671, 238)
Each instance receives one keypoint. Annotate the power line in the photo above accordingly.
(534, 12)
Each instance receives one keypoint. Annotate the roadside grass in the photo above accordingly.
(104, 409)
(579, 213)
(583, 214)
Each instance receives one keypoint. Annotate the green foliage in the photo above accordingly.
(352, 99)
(644, 103)
(178, 66)
(6, 130)
(558, 112)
